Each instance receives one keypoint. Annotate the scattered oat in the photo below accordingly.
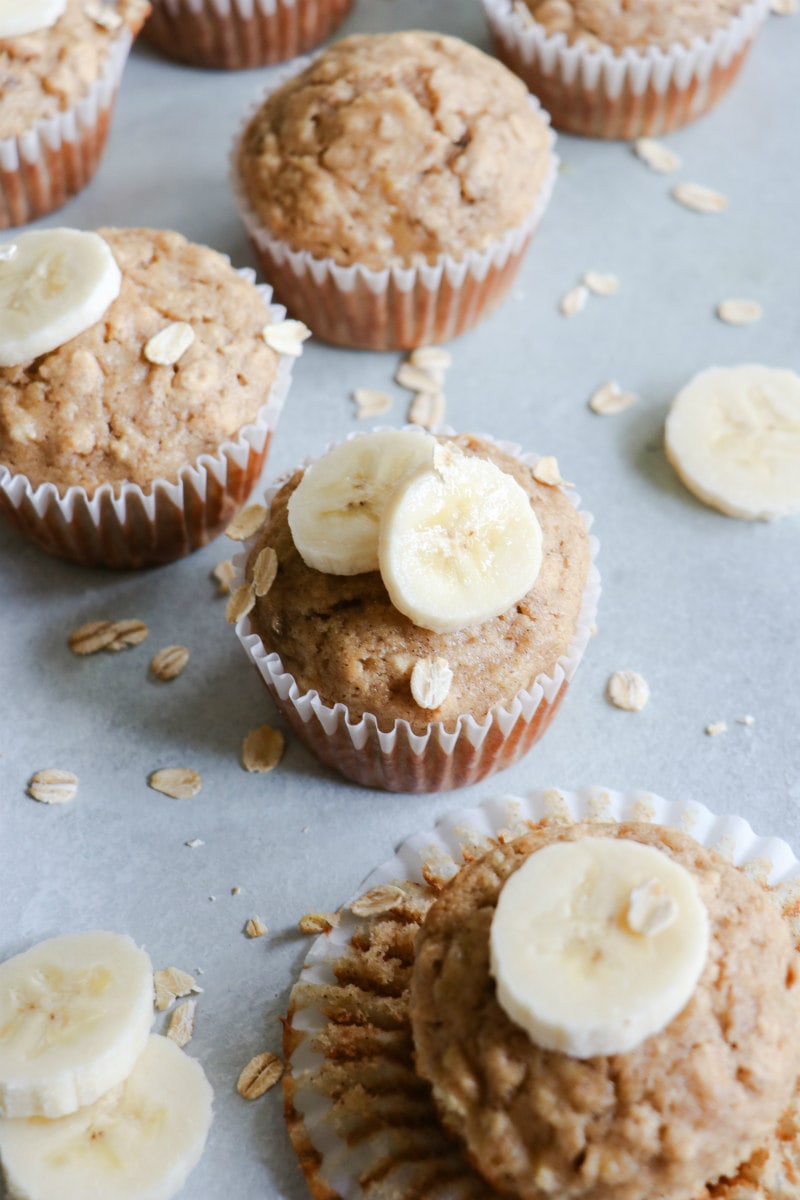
(240, 603)
(9, 251)
(169, 662)
(378, 900)
(609, 399)
(746, 720)
(431, 680)
(699, 198)
(286, 337)
(716, 727)
(255, 928)
(224, 573)
(102, 15)
(194, 843)
(656, 155)
(170, 984)
(415, 379)
(651, 909)
(260, 1074)
(265, 569)
(180, 783)
(573, 301)
(246, 523)
(262, 749)
(600, 284)
(370, 402)
(236, 890)
(53, 786)
(427, 410)
(169, 344)
(628, 690)
(783, 8)
(106, 635)
(181, 1023)
(433, 359)
(315, 922)
(739, 312)
(546, 471)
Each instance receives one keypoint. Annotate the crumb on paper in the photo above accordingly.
(181, 1023)
(370, 403)
(318, 922)
(628, 690)
(262, 749)
(53, 785)
(656, 155)
(715, 728)
(746, 720)
(699, 198)
(609, 399)
(255, 927)
(179, 783)
(261, 1073)
(573, 301)
(168, 663)
(194, 843)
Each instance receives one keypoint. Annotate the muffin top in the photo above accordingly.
(45, 72)
(341, 635)
(393, 149)
(95, 410)
(684, 1108)
(637, 23)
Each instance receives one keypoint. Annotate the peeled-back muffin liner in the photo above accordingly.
(124, 525)
(41, 168)
(232, 34)
(398, 307)
(598, 93)
(400, 760)
(364, 1126)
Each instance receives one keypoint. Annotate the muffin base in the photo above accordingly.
(210, 33)
(362, 1123)
(42, 168)
(126, 526)
(599, 94)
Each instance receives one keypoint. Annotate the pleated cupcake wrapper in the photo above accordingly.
(401, 760)
(398, 307)
(598, 93)
(381, 1161)
(123, 526)
(42, 168)
(233, 34)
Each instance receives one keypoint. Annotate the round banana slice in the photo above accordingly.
(139, 1142)
(335, 511)
(733, 436)
(54, 283)
(597, 944)
(460, 543)
(26, 16)
(75, 1014)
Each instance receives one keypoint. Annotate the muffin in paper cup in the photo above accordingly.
(362, 1122)
(381, 296)
(52, 157)
(232, 34)
(649, 90)
(416, 753)
(120, 523)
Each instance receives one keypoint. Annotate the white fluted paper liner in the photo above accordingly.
(41, 168)
(122, 525)
(398, 307)
(596, 92)
(404, 761)
(441, 852)
(235, 34)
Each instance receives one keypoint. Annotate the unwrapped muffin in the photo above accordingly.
(57, 91)
(621, 71)
(391, 186)
(233, 34)
(131, 431)
(378, 667)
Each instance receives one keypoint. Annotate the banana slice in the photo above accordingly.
(459, 543)
(54, 283)
(334, 513)
(26, 16)
(75, 1014)
(597, 944)
(139, 1142)
(733, 436)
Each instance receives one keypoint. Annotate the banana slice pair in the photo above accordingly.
(93, 1104)
(455, 538)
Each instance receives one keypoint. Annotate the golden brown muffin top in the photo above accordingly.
(341, 635)
(45, 72)
(637, 23)
(395, 148)
(95, 410)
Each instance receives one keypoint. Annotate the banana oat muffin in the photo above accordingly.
(640, 23)
(672, 1117)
